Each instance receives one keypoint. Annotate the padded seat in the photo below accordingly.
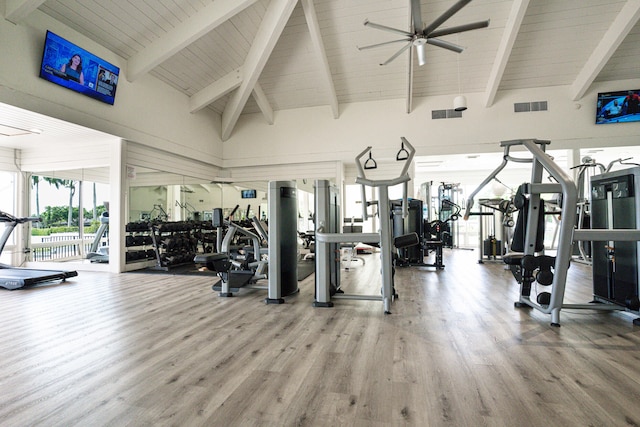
(406, 240)
(215, 262)
(205, 258)
(513, 258)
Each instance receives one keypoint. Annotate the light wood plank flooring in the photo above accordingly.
(162, 350)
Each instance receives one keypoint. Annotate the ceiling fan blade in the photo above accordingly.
(367, 23)
(381, 44)
(416, 16)
(398, 53)
(459, 28)
(446, 45)
(446, 15)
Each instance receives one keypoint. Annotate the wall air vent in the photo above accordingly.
(445, 114)
(525, 107)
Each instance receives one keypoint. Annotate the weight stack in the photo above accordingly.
(283, 240)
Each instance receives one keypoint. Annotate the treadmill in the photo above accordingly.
(99, 253)
(15, 277)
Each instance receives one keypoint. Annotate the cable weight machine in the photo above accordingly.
(328, 238)
(531, 264)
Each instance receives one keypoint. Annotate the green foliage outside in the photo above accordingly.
(62, 219)
(54, 220)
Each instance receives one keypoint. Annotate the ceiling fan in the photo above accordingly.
(422, 35)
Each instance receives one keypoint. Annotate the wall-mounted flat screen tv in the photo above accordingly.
(70, 66)
(248, 194)
(618, 107)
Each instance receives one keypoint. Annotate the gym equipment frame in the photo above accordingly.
(567, 232)
(15, 277)
(326, 237)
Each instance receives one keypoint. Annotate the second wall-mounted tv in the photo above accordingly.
(248, 194)
(618, 107)
(70, 66)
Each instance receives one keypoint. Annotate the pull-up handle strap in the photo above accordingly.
(403, 154)
(370, 163)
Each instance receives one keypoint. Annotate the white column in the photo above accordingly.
(22, 232)
(118, 205)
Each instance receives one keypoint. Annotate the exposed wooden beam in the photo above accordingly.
(269, 31)
(215, 90)
(511, 30)
(17, 10)
(410, 82)
(263, 103)
(318, 46)
(183, 35)
(609, 43)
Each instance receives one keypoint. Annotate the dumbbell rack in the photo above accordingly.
(174, 244)
(139, 242)
(167, 244)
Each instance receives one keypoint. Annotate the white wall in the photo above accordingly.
(147, 111)
(312, 133)
(75, 155)
(174, 163)
(9, 159)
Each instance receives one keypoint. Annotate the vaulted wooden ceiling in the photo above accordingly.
(234, 57)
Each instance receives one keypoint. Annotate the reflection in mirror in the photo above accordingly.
(148, 203)
(177, 198)
(73, 208)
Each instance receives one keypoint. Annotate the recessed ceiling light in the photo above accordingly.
(7, 130)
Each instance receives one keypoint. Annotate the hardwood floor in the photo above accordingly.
(159, 350)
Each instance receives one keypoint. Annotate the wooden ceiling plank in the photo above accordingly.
(615, 35)
(186, 33)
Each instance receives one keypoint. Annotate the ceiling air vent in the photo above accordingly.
(445, 114)
(525, 107)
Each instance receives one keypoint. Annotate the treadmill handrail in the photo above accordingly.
(12, 222)
(7, 217)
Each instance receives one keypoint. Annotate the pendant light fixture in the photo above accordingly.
(460, 103)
